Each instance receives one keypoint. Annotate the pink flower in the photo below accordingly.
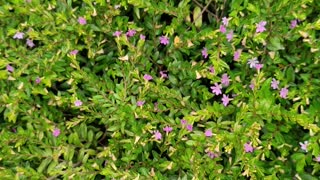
(140, 103)
(183, 122)
(225, 99)
(117, 33)
(142, 37)
(10, 68)
(131, 33)
(223, 29)
(211, 69)
(164, 40)
(237, 55)
(216, 89)
(252, 62)
(208, 133)
(74, 52)
(204, 52)
(304, 146)
(82, 20)
(38, 80)
(284, 92)
(212, 154)
(293, 23)
(56, 132)
(167, 129)
(230, 36)
(225, 21)
(189, 127)
(30, 43)
(261, 26)
(147, 77)
(248, 147)
(163, 74)
(252, 86)
(157, 135)
(225, 79)
(258, 66)
(78, 103)
(274, 83)
(317, 159)
(18, 35)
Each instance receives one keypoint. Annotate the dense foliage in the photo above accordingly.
(159, 89)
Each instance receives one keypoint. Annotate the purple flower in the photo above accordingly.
(223, 29)
(140, 103)
(157, 135)
(225, 99)
(212, 154)
(252, 62)
(131, 33)
(189, 127)
(204, 52)
(274, 83)
(142, 37)
(248, 147)
(56, 132)
(147, 77)
(18, 35)
(74, 52)
(211, 69)
(284, 92)
(260, 26)
(293, 23)
(78, 103)
(183, 122)
(252, 86)
(30, 43)
(155, 106)
(82, 21)
(236, 55)
(117, 33)
(38, 80)
(230, 36)
(317, 159)
(304, 146)
(216, 89)
(163, 74)
(164, 40)
(208, 133)
(10, 68)
(258, 66)
(225, 79)
(167, 129)
(225, 21)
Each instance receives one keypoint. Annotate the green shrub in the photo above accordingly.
(202, 89)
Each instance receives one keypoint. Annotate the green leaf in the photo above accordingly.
(3, 74)
(44, 164)
(113, 128)
(191, 142)
(290, 74)
(253, 8)
(299, 160)
(271, 127)
(275, 44)
(197, 16)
